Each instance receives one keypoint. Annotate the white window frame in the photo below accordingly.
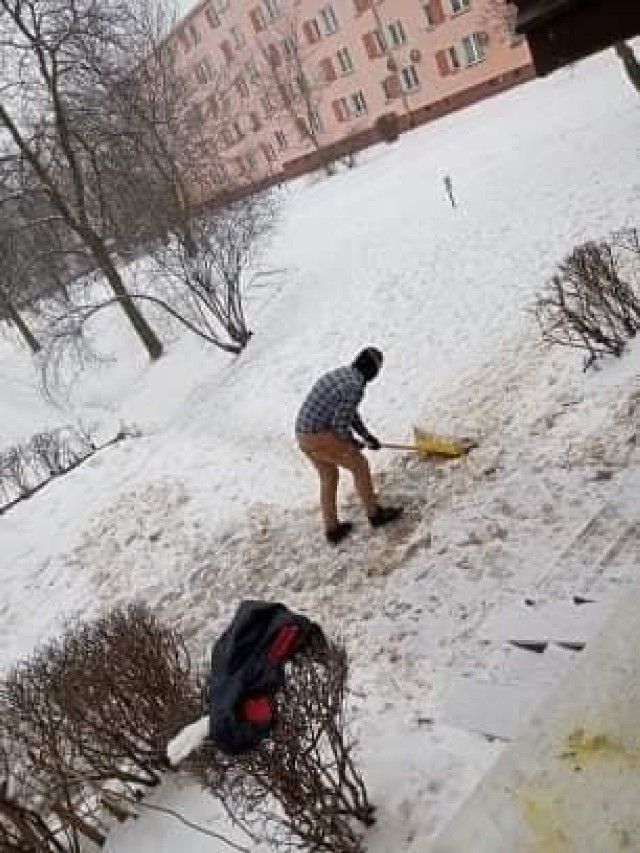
(317, 32)
(396, 35)
(243, 87)
(204, 73)
(409, 78)
(281, 140)
(381, 40)
(213, 19)
(345, 61)
(357, 104)
(251, 72)
(459, 7)
(251, 161)
(262, 19)
(268, 107)
(315, 120)
(345, 108)
(272, 8)
(289, 46)
(237, 130)
(329, 19)
(426, 12)
(474, 49)
(453, 58)
(238, 36)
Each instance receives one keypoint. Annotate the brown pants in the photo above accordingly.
(327, 453)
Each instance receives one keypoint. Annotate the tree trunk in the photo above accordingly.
(20, 324)
(146, 334)
(630, 62)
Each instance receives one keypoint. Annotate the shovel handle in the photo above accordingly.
(392, 446)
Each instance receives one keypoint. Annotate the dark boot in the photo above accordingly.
(384, 515)
(338, 533)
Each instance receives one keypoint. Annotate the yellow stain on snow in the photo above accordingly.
(541, 814)
(542, 811)
(583, 748)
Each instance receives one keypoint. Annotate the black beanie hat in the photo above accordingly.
(368, 363)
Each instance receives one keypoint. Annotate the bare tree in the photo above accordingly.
(60, 64)
(592, 302)
(180, 186)
(293, 81)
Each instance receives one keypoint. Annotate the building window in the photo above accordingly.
(315, 122)
(396, 34)
(459, 6)
(409, 78)
(272, 8)
(250, 162)
(344, 60)
(474, 48)
(227, 137)
(302, 84)
(341, 109)
(214, 106)
(428, 15)
(241, 86)
(311, 30)
(213, 18)
(239, 39)
(194, 32)
(256, 124)
(267, 105)
(251, 72)
(289, 46)
(358, 104)
(281, 140)
(258, 20)
(220, 5)
(454, 60)
(381, 43)
(329, 20)
(268, 151)
(391, 87)
(203, 72)
(237, 130)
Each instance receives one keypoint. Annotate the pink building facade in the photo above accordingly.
(285, 84)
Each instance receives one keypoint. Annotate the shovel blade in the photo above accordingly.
(431, 444)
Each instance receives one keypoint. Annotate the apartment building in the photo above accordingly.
(283, 84)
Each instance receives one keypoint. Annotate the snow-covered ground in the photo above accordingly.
(214, 502)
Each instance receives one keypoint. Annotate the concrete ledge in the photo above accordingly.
(571, 784)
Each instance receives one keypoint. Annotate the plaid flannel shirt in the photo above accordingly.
(332, 404)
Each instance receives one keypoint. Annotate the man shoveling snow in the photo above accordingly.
(324, 432)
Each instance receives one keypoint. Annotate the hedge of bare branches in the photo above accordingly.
(91, 709)
(592, 302)
(300, 788)
(26, 468)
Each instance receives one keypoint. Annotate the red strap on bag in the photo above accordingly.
(256, 710)
(284, 641)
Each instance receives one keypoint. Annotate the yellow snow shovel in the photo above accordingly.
(430, 444)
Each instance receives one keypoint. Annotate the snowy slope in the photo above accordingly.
(214, 502)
